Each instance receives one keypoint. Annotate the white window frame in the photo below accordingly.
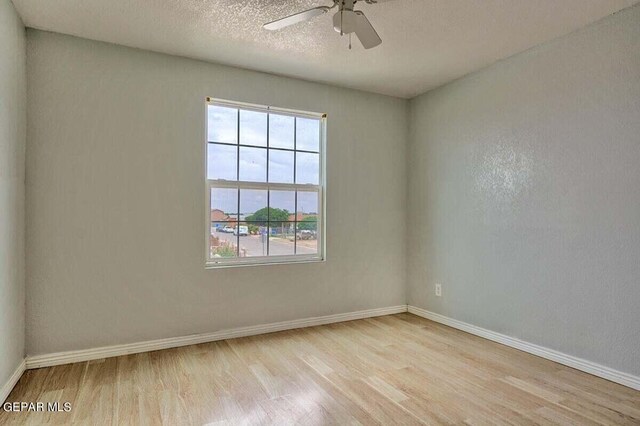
(211, 262)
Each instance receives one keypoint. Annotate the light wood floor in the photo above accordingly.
(398, 369)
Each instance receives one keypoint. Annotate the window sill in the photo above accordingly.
(262, 262)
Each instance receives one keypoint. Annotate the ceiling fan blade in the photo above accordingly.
(365, 32)
(295, 18)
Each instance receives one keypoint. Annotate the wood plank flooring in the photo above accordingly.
(398, 369)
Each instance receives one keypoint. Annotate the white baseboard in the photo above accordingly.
(59, 358)
(559, 357)
(8, 387)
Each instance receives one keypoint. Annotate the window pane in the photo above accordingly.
(253, 205)
(281, 239)
(253, 164)
(307, 222)
(307, 168)
(222, 162)
(253, 128)
(222, 124)
(306, 242)
(253, 239)
(222, 242)
(307, 203)
(308, 134)
(280, 166)
(282, 203)
(224, 204)
(281, 131)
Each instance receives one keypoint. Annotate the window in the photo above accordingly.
(265, 184)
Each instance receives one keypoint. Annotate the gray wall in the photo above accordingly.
(524, 195)
(523, 198)
(12, 189)
(115, 199)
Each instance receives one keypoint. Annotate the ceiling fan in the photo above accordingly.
(345, 21)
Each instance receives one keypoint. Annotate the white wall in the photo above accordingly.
(12, 189)
(524, 195)
(115, 199)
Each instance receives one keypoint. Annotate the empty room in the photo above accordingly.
(374, 212)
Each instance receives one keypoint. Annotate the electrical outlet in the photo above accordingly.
(438, 290)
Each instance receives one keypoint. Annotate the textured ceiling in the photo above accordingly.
(426, 43)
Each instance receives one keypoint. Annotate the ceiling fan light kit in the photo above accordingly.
(345, 21)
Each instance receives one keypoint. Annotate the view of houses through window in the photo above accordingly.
(264, 184)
